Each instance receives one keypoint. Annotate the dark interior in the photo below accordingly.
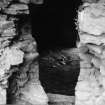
(53, 24)
(53, 27)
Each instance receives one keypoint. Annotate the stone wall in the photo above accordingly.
(19, 71)
(90, 88)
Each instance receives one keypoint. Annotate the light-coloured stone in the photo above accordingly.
(12, 58)
(18, 7)
(16, 55)
(3, 97)
(91, 101)
(85, 65)
(96, 62)
(83, 86)
(82, 96)
(84, 74)
(92, 39)
(86, 57)
(97, 49)
(35, 94)
(102, 70)
(97, 91)
(92, 35)
(100, 101)
(92, 25)
(103, 54)
(103, 82)
(9, 32)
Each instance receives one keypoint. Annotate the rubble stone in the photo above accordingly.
(19, 70)
(89, 23)
(92, 35)
(27, 77)
(97, 49)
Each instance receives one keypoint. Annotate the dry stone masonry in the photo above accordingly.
(90, 88)
(19, 71)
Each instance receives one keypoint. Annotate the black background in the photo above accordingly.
(53, 24)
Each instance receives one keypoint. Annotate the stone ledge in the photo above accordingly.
(60, 98)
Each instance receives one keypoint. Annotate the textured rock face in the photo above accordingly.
(7, 52)
(19, 70)
(90, 88)
(26, 85)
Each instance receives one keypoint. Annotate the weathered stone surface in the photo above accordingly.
(92, 39)
(17, 9)
(5, 64)
(2, 96)
(95, 48)
(34, 93)
(18, 55)
(90, 86)
(90, 21)
(27, 75)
